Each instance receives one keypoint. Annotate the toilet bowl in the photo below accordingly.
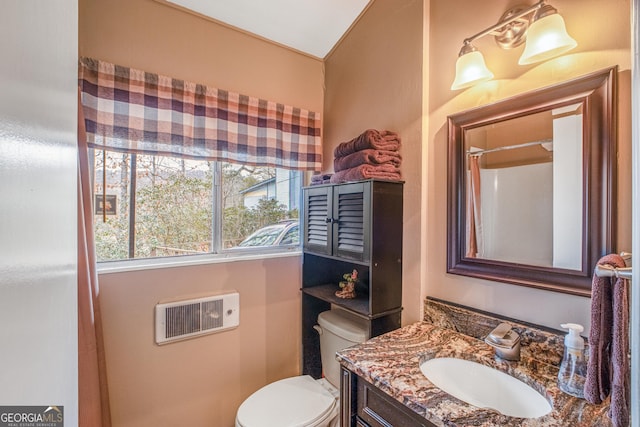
(303, 401)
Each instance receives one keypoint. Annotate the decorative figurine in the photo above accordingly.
(348, 286)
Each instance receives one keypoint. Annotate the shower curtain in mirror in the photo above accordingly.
(474, 218)
(93, 396)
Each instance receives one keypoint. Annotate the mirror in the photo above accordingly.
(531, 186)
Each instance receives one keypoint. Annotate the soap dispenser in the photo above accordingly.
(573, 369)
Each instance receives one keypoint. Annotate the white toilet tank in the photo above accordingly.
(338, 330)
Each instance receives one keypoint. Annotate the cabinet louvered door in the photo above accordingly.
(317, 220)
(351, 221)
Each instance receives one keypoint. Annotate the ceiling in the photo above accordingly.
(309, 26)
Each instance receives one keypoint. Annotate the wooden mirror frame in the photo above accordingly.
(597, 94)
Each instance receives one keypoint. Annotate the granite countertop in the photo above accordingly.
(392, 361)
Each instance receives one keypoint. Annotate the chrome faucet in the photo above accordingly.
(505, 341)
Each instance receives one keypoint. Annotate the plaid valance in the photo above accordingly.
(138, 112)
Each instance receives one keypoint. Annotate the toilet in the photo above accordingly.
(303, 401)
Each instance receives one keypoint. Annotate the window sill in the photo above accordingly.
(184, 261)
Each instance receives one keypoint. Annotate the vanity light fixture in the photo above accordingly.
(470, 68)
(539, 25)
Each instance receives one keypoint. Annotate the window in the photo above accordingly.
(158, 206)
(183, 168)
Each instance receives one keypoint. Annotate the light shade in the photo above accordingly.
(546, 37)
(470, 69)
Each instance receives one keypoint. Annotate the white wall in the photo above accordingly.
(567, 194)
(516, 222)
(38, 309)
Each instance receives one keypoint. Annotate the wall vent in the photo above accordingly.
(179, 320)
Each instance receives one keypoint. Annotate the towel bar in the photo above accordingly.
(608, 271)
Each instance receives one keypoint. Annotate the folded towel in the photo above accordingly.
(608, 366)
(371, 138)
(320, 177)
(387, 172)
(366, 157)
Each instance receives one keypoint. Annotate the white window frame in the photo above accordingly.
(217, 254)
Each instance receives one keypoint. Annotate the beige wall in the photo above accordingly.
(374, 80)
(393, 71)
(156, 37)
(200, 382)
(602, 30)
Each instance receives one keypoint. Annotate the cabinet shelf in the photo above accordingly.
(359, 305)
(330, 258)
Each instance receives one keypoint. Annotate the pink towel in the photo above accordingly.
(366, 157)
(608, 366)
(386, 172)
(371, 138)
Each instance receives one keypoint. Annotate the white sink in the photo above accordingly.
(485, 387)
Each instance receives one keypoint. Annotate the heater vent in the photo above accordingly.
(184, 319)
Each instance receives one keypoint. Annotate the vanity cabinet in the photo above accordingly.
(346, 227)
(364, 405)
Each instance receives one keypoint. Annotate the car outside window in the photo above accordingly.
(285, 233)
(292, 236)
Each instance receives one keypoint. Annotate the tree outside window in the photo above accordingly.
(177, 203)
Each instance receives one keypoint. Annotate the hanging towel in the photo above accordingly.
(608, 366)
(371, 138)
(366, 157)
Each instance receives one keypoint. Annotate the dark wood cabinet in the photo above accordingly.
(364, 405)
(356, 225)
(338, 220)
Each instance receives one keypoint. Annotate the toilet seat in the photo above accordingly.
(291, 402)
